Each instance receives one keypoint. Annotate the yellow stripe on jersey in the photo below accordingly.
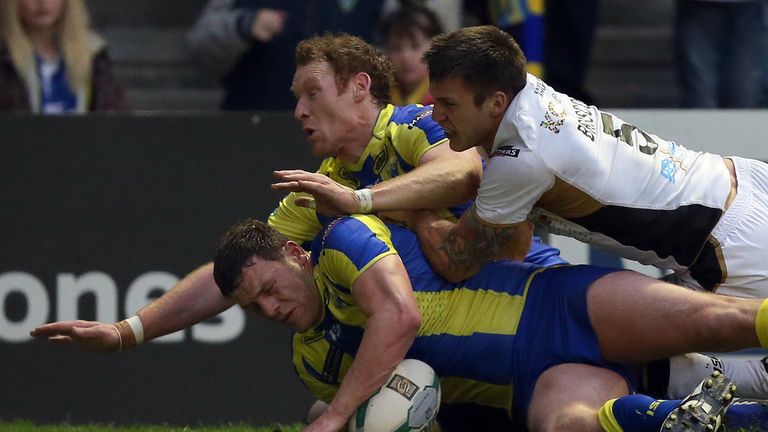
(463, 311)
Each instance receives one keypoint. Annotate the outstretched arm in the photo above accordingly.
(443, 179)
(195, 298)
(458, 250)
(384, 294)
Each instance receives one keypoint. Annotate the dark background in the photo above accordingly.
(126, 195)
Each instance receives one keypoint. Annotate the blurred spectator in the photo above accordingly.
(250, 43)
(523, 20)
(407, 33)
(568, 35)
(555, 35)
(450, 13)
(50, 60)
(720, 46)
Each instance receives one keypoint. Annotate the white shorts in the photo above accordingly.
(738, 246)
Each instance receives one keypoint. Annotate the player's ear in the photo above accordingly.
(361, 86)
(498, 103)
(295, 251)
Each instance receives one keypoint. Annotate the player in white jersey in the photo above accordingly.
(590, 175)
(555, 161)
(581, 172)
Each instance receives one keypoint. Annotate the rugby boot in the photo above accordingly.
(702, 410)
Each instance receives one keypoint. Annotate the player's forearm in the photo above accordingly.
(438, 184)
(441, 246)
(388, 336)
(457, 251)
(195, 298)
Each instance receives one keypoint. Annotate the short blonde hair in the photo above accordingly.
(349, 55)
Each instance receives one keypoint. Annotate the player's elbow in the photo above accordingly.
(450, 271)
(474, 172)
(409, 320)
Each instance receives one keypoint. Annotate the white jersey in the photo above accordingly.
(587, 174)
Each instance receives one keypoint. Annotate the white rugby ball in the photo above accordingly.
(408, 401)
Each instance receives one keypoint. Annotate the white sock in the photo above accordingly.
(686, 371)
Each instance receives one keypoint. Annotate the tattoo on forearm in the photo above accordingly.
(472, 244)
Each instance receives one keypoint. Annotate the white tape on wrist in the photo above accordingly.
(365, 200)
(137, 327)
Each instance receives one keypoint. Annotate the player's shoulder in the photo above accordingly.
(411, 115)
(352, 232)
(414, 123)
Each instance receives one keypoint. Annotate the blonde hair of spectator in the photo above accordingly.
(74, 40)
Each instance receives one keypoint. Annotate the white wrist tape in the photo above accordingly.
(365, 200)
(137, 327)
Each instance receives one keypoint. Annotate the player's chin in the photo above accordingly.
(299, 327)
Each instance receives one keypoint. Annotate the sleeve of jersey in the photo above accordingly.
(299, 224)
(351, 245)
(415, 133)
(511, 185)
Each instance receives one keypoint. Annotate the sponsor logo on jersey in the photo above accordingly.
(332, 365)
(539, 88)
(673, 163)
(507, 151)
(334, 332)
(380, 161)
(554, 118)
(426, 113)
(403, 385)
(349, 177)
(584, 118)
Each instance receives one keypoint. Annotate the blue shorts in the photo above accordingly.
(555, 329)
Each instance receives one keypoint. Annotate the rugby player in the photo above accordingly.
(579, 172)
(553, 344)
(342, 85)
(343, 109)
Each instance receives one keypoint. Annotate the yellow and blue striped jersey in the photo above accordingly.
(467, 332)
(400, 138)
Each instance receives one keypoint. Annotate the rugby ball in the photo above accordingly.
(408, 401)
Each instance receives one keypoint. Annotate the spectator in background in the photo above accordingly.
(407, 33)
(568, 34)
(250, 43)
(555, 35)
(720, 46)
(450, 13)
(523, 20)
(50, 60)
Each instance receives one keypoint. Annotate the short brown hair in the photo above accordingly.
(250, 238)
(485, 57)
(349, 55)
